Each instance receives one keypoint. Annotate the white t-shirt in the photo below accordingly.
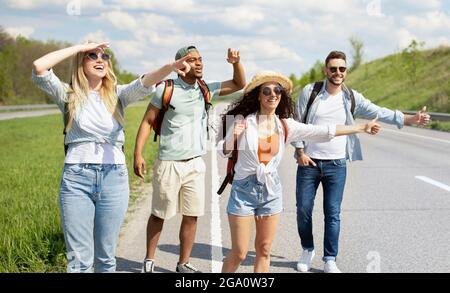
(94, 117)
(330, 111)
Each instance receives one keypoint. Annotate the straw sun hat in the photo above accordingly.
(268, 76)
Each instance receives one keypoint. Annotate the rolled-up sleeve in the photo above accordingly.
(52, 86)
(367, 109)
(134, 91)
(308, 132)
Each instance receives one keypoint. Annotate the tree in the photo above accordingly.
(357, 52)
(412, 59)
(16, 58)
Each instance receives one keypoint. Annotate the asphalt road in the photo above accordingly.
(395, 215)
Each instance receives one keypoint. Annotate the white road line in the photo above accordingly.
(434, 182)
(415, 135)
(216, 230)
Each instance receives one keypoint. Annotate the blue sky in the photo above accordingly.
(287, 36)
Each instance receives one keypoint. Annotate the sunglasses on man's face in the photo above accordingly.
(94, 56)
(267, 90)
(334, 69)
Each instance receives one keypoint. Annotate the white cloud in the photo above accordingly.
(25, 31)
(171, 6)
(126, 49)
(242, 17)
(404, 38)
(120, 20)
(429, 23)
(302, 27)
(286, 35)
(420, 4)
(97, 36)
(32, 4)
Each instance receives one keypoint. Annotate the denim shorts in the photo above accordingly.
(249, 197)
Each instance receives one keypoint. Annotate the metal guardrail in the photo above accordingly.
(434, 116)
(27, 107)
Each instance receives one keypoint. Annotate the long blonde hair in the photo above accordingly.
(78, 90)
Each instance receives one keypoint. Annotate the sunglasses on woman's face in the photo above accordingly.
(95, 56)
(335, 69)
(267, 90)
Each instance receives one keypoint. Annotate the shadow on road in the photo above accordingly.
(131, 266)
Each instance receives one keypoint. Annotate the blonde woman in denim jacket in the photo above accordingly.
(94, 190)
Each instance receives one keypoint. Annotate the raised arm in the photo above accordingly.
(238, 81)
(139, 88)
(180, 66)
(141, 138)
(46, 62)
(323, 133)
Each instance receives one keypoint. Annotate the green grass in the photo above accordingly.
(31, 238)
(397, 83)
(402, 82)
(440, 125)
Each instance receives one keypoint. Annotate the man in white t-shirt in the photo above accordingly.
(324, 103)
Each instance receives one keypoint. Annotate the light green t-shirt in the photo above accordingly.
(183, 130)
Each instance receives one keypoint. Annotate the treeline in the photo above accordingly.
(16, 58)
(313, 75)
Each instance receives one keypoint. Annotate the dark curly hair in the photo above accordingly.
(250, 104)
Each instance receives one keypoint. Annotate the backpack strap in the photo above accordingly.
(230, 164)
(165, 104)
(353, 101)
(316, 90)
(66, 122)
(207, 97)
(205, 90)
(167, 94)
(230, 168)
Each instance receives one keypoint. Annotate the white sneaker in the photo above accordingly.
(149, 266)
(331, 267)
(304, 264)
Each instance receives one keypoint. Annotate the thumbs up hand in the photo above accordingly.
(373, 127)
(422, 117)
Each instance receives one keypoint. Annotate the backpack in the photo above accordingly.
(234, 157)
(316, 90)
(165, 103)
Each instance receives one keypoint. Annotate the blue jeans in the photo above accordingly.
(332, 175)
(93, 200)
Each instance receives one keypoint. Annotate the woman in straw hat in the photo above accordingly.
(263, 125)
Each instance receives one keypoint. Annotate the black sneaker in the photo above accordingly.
(149, 266)
(186, 268)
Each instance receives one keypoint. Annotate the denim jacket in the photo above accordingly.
(364, 108)
(55, 88)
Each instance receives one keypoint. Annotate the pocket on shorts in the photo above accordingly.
(243, 184)
(199, 165)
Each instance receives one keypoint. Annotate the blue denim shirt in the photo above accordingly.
(55, 88)
(364, 108)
